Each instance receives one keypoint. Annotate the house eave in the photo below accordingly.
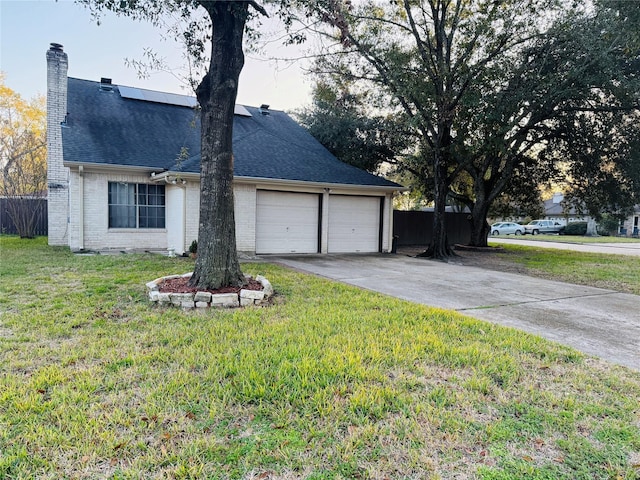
(159, 174)
(300, 183)
(283, 183)
(105, 167)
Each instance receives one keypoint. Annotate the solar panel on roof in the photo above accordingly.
(130, 92)
(135, 93)
(241, 110)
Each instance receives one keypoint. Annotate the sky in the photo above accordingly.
(27, 27)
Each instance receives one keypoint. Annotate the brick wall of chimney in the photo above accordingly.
(57, 174)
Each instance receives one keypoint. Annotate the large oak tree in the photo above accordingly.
(560, 113)
(487, 88)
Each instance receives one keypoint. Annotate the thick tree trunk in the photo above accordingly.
(217, 264)
(592, 230)
(479, 226)
(439, 248)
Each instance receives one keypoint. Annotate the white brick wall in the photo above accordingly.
(387, 223)
(98, 235)
(192, 210)
(245, 213)
(57, 174)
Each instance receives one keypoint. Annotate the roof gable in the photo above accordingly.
(105, 127)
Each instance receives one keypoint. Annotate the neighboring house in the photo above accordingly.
(557, 210)
(123, 173)
(631, 226)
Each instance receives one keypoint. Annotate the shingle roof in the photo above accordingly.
(552, 208)
(105, 128)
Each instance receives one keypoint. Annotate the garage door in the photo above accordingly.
(354, 224)
(287, 222)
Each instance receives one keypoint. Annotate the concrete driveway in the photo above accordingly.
(595, 321)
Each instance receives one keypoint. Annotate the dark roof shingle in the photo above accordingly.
(105, 128)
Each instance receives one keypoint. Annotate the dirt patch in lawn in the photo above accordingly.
(489, 258)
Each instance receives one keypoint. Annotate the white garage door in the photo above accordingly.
(354, 224)
(287, 222)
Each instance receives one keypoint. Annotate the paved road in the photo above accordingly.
(595, 321)
(615, 248)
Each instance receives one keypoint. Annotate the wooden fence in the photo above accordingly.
(29, 204)
(416, 227)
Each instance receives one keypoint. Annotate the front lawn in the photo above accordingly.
(614, 272)
(329, 382)
(576, 239)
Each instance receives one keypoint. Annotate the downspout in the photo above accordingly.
(391, 240)
(81, 206)
(324, 222)
(184, 247)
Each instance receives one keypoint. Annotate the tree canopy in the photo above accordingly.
(489, 91)
(357, 135)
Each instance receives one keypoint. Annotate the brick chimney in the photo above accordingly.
(57, 174)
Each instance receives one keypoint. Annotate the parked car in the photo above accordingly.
(543, 226)
(507, 228)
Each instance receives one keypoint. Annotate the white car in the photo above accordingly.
(543, 226)
(507, 228)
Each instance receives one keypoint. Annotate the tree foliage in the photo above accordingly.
(23, 156)
(603, 175)
(340, 119)
(490, 90)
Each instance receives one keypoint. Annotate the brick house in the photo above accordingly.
(555, 209)
(631, 226)
(123, 173)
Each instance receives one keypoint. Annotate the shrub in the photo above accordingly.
(575, 228)
(609, 225)
(193, 248)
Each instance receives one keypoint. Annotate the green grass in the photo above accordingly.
(615, 272)
(330, 382)
(575, 239)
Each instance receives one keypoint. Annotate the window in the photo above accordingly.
(136, 205)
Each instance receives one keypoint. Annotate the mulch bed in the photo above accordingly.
(181, 285)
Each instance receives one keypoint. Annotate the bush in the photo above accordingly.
(193, 248)
(575, 228)
(609, 225)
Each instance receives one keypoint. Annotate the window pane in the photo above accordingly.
(122, 217)
(136, 205)
(142, 194)
(151, 210)
(151, 217)
(121, 205)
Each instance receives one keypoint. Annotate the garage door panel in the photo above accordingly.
(354, 224)
(287, 222)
